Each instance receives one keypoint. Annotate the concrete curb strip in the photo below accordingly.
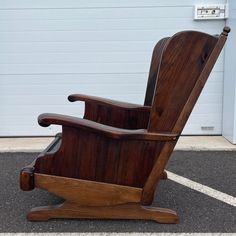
(185, 143)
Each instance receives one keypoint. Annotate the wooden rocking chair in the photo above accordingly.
(107, 165)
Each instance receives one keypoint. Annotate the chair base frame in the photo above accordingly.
(125, 211)
(85, 200)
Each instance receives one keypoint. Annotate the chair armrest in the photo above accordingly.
(109, 131)
(114, 113)
(109, 102)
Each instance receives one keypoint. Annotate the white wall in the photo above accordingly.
(229, 111)
(51, 48)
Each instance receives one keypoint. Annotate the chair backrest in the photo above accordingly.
(185, 64)
(155, 62)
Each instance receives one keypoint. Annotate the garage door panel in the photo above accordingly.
(74, 80)
(211, 98)
(73, 58)
(50, 49)
(83, 57)
(216, 75)
(81, 68)
(76, 47)
(32, 99)
(29, 110)
(206, 130)
(204, 119)
(59, 90)
(204, 109)
(30, 130)
(6, 4)
(91, 36)
(204, 124)
(101, 24)
(213, 87)
(81, 36)
(95, 13)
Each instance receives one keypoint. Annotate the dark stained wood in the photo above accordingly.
(164, 175)
(107, 160)
(155, 63)
(175, 85)
(124, 211)
(172, 108)
(157, 172)
(27, 178)
(109, 131)
(83, 192)
(108, 102)
(114, 113)
(118, 151)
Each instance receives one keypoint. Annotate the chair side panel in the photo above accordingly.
(117, 117)
(90, 156)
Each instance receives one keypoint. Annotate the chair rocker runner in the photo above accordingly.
(107, 165)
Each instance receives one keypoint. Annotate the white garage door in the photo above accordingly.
(52, 48)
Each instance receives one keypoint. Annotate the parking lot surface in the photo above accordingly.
(197, 211)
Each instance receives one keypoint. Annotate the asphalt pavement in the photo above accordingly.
(197, 212)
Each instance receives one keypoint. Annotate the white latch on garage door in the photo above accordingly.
(211, 12)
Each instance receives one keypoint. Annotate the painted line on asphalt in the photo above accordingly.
(117, 234)
(202, 188)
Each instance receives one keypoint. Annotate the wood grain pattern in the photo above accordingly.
(108, 102)
(124, 211)
(109, 131)
(27, 178)
(87, 193)
(197, 61)
(155, 63)
(114, 113)
(107, 160)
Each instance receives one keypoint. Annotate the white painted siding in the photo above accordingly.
(50, 49)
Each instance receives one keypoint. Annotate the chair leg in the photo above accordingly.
(124, 211)
(164, 175)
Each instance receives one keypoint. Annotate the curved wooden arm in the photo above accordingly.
(117, 133)
(105, 101)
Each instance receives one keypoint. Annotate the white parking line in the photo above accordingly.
(202, 188)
